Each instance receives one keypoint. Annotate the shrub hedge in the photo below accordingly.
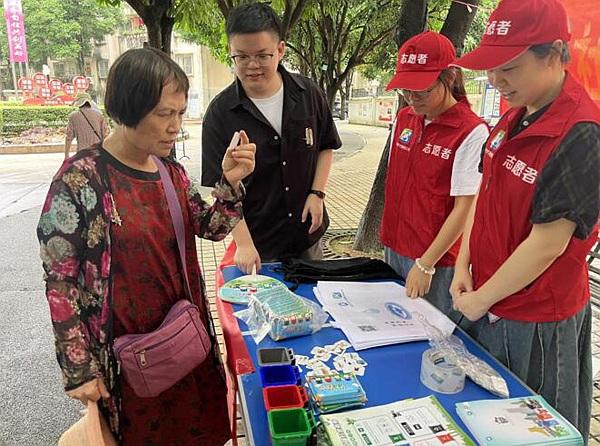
(16, 119)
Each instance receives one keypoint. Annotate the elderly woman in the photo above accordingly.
(111, 259)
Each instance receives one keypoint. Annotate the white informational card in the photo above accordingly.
(373, 314)
(420, 422)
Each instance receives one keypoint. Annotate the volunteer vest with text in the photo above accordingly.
(417, 189)
(502, 219)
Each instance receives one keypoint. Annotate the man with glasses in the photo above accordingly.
(288, 118)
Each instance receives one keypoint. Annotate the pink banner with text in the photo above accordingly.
(15, 31)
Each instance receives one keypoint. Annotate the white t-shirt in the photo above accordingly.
(465, 170)
(272, 108)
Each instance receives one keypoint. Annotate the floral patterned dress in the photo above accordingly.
(147, 281)
(108, 274)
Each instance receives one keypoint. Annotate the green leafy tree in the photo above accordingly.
(204, 22)
(463, 25)
(91, 22)
(382, 62)
(199, 21)
(333, 37)
(159, 17)
(327, 39)
(63, 29)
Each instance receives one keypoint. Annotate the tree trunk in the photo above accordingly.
(367, 234)
(166, 32)
(81, 63)
(411, 21)
(457, 23)
(331, 89)
(154, 33)
(345, 94)
(159, 25)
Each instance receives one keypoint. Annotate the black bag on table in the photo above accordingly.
(352, 269)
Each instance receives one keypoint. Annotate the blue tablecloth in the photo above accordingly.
(392, 373)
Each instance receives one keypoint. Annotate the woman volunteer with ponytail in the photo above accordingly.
(432, 175)
(521, 274)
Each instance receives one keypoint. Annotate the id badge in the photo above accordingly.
(308, 136)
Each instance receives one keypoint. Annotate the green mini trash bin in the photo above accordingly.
(290, 427)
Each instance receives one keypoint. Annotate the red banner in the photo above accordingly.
(584, 16)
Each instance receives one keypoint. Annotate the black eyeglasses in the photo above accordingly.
(419, 94)
(243, 60)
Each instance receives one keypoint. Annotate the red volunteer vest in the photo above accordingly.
(502, 218)
(417, 189)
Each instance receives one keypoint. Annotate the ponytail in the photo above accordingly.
(452, 78)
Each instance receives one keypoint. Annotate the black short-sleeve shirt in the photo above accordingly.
(285, 165)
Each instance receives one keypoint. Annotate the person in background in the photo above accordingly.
(288, 117)
(521, 275)
(86, 125)
(432, 175)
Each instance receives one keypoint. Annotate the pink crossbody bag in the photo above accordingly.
(153, 362)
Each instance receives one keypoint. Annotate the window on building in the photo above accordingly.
(103, 68)
(185, 61)
(72, 70)
(59, 69)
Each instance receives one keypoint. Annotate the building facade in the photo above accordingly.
(207, 75)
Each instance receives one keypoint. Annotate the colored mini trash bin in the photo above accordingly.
(279, 375)
(275, 356)
(290, 427)
(284, 397)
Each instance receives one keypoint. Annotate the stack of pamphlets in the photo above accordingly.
(517, 421)
(372, 314)
(420, 422)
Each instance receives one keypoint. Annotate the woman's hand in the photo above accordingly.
(462, 282)
(417, 283)
(247, 257)
(239, 161)
(464, 299)
(471, 304)
(91, 390)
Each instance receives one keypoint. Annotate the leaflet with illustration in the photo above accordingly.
(517, 421)
(419, 422)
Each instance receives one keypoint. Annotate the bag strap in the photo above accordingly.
(88, 121)
(176, 217)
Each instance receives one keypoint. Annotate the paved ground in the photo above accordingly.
(33, 407)
(32, 403)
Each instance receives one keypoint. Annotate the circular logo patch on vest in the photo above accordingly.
(406, 136)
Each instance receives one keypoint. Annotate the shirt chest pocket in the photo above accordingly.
(303, 134)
